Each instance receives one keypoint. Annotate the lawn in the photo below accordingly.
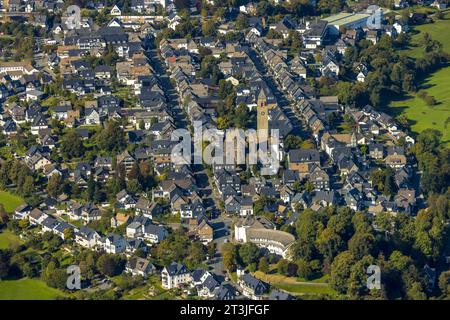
(294, 286)
(27, 289)
(7, 237)
(10, 201)
(420, 115)
(437, 30)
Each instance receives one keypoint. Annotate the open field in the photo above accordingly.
(10, 201)
(437, 30)
(295, 287)
(27, 289)
(420, 115)
(7, 237)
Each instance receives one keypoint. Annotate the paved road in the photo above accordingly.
(169, 90)
(220, 224)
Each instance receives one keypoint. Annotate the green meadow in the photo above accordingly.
(437, 85)
(27, 289)
(10, 201)
(7, 238)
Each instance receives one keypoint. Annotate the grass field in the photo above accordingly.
(10, 201)
(438, 31)
(437, 85)
(295, 287)
(6, 238)
(27, 289)
(422, 116)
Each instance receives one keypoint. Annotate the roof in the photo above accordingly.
(280, 295)
(139, 264)
(176, 268)
(304, 155)
(344, 18)
(224, 291)
(253, 282)
(274, 235)
(36, 213)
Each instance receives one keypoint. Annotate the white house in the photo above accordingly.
(113, 243)
(139, 267)
(175, 275)
(87, 237)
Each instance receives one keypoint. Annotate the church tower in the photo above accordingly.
(262, 119)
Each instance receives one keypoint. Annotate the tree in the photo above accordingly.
(241, 22)
(208, 28)
(182, 4)
(27, 188)
(444, 284)
(141, 124)
(4, 218)
(416, 292)
(196, 256)
(111, 138)
(87, 266)
(54, 185)
(241, 116)
(282, 266)
(54, 276)
(24, 223)
(357, 282)
(263, 264)
(304, 269)
(262, 8)
(249, 253)
(292, 142)
(211, 249)
(110, 265)
(306, 228)
(341, 270)
(69, 234)
(4, 264)
(71, 145)
(329, 243)
(229, 256)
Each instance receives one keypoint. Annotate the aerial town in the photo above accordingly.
(94, 93)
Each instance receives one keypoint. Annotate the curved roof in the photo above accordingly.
(274, 235)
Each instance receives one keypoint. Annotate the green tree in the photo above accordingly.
(110, 265)
(71, 145)
(241, 22)
(69, 234)
(341, 270)
(229, 256)
(111, 138)
(263, 264)
(249, 253)
(54, 185)
(444, 284)
(209, 28)
(304, 269)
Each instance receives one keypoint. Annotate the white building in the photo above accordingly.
(261, 232)
(175, 275)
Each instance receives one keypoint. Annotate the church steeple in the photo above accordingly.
(262, 111)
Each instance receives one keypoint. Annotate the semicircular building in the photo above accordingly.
(262, 232)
